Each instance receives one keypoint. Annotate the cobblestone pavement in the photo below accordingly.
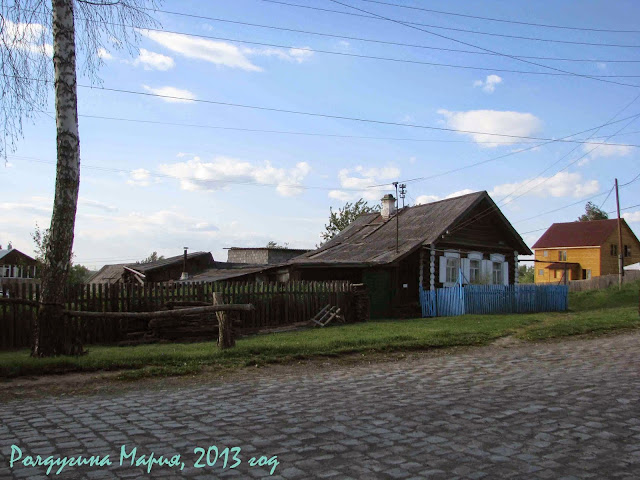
(556, 410)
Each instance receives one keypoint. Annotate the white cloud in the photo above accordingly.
(632, 216)
(601, 66)
(219, 53)
(185, 96)
(32, 37)
(422, 199)
(225, 53)
(140, 177)
(298, 55)
(359, 181)
(195, 174)
(563, 184)
(492, 121)
(154, 61)
(606, 150)
(489, 84)
(104, 54)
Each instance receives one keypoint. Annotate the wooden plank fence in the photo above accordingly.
(276, 305)
(490, 299)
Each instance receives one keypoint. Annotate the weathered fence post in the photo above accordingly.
(225, 327)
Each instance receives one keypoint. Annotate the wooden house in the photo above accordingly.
(583, 250)
(397, 252)
(164, 270)
(16, 265)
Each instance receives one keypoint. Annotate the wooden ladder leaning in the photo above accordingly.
(326, 315)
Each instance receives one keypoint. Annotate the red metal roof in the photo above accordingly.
(577, 234)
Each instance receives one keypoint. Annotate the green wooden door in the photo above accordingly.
(378, 284)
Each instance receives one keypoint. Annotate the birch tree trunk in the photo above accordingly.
(52, 334)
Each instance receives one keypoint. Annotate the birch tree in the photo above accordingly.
(32, 34)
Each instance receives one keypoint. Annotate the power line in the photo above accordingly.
(336, 117)
(386, 42)
(491, 209)
(561, 208)
(340, 117)
(614, 211)
(288, 132)
(477, 46)
(374, 16)
(564, 27)
(370, 57)
(475, 164)
(607, 197)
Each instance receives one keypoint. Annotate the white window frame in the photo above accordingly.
(478, 277)
(473, 257)
(451, 255)
(545, 253)
(499, 271)
(541, 273)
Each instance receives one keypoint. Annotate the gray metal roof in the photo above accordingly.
(370, 240)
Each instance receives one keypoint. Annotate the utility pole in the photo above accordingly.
(395, 184)
(620, 252)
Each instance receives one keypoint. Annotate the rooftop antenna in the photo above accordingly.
(403, 192)
(395, 184)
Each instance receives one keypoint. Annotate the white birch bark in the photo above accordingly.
(50, 335)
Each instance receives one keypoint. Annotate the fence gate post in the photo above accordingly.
(225, 327)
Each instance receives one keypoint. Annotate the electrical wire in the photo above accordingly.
(492, 19)
(607, 197)
(614, 211)
(386, 42)
(372, 15)
(519, 188)
(479, 47)
(369, 57)
(324, 115)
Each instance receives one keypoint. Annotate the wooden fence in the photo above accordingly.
(276, 304)
(603, 281)
(489, 299)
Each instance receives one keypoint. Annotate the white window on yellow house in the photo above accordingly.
(541, 273)
(545, 253)
(562, 255)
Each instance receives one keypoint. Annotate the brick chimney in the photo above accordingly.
(388, 206)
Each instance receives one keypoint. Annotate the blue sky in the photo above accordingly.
(155, 187)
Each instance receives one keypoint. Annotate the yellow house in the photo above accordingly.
(582, 250)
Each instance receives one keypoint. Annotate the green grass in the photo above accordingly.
(607, 298)
(591, 312)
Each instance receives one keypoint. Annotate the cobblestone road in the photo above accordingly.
(561, 410)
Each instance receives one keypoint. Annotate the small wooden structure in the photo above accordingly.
(326, 315)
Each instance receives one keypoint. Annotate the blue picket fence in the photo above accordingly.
(487, 299)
